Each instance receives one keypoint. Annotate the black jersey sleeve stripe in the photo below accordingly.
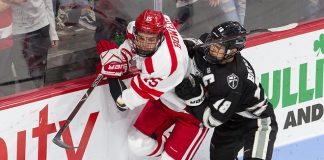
(257, 93)
(247, 114)
(260, 110)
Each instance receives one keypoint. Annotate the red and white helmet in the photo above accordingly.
(152, 22)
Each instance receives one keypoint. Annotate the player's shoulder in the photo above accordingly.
(164, 63)
(167, 17)
(130, 27)
(198, 58)
(245, 61)
(245, 68)
(200, 51)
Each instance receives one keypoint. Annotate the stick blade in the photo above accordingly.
(283, 28)
(61, 144)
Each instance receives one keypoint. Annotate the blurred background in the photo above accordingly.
(58, 43)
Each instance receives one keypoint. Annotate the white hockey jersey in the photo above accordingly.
(160, 73)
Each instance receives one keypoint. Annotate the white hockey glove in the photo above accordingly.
(114, 63)
(121, 104)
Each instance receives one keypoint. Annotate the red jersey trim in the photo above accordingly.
(174, 61)
(139, 91)
(149, 65)
(125, 51)
(129, 35)
(145, 88)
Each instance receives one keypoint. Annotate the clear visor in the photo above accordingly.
(217, 51)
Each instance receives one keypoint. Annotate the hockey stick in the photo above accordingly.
(277, 29)
(57, 139)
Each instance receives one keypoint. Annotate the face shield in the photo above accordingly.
(145, 44)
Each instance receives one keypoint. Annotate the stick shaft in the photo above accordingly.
(277, 29)
(78, 106)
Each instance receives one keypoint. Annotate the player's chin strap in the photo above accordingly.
(229, 55)
(276, 29)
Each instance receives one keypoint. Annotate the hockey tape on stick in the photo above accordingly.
(57, 139)
(276, 29)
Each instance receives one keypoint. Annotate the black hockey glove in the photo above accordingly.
(191, 91)
(190, 44)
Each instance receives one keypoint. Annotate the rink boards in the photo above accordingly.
(287, 64)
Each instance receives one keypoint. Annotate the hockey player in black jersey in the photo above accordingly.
(234, 103)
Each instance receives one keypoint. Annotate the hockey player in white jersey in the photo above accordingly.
(159, 52)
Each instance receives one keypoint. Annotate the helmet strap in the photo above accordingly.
(229, 55)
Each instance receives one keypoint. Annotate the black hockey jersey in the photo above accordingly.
(232, 89)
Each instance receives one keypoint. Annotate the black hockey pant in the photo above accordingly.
(257, 136)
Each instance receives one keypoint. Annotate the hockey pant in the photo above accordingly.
(155, 118)
(257, 136)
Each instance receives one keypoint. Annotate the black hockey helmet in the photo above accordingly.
(231, 35)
